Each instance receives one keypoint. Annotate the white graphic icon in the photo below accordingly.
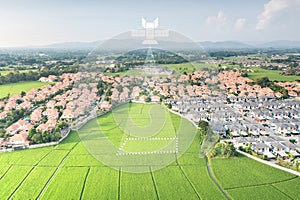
(150, 32)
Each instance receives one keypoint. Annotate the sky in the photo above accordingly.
(40, 22)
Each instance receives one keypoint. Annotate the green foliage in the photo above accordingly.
(35, 75)
(223, 149)
(147, 99)
(38, 137)
(204, 125)
(293, 141)
(265, 82)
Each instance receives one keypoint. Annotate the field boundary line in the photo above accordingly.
(190, 182)
(84, 182)
(213, 178)
(37, 164)
(20, 184)
(154, 183)
(55, 172)
(262, 184)
(119, 184)
(269, 163)
(8, 169)
(281, 191)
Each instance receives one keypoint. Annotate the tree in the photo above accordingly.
(19, 101)
(23, 94)
(203, 125)
(37, 138)
(147, 99)
(263, 82)
(62, 124)
(223, 149)
(31, 133)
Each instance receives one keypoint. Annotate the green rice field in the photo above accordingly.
(70, 171)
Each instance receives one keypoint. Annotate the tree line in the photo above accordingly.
(15, 77)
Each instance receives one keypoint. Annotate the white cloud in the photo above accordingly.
(270, 9)
(240, 23)
(219, 20)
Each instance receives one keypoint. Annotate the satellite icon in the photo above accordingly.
(150, 32)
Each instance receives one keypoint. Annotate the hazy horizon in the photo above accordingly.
(34, 23)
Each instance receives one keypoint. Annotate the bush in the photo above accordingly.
(223, 149)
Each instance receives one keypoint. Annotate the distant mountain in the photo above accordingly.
(70, 45)
(125, 44)
(225, 45)
(116, 44)
(279, 44)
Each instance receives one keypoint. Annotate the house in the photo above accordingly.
(219, 129)
(3, 114)
(155, 99)
(10, 105)
(105, 105)
(284, 129)
(240, 142)
(290, 147)
(260, 148)
(13, 129)
(142, 98)
(25, 105)
(51, 113)
(50, 104)
(2, 104)
(266, 140)
(67, 115)
(19, 139)
(282, 155)
(36, 115)
(42, 127)
(26, 128)
(51, 124)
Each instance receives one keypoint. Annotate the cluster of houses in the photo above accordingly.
(293, 88)
(236, 85)
(266, 125)
(254, 62)
(134, 87)
(47, 113)
(269, 146)
(243, 112)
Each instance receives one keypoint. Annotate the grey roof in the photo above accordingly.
(260, 145)
(277, 145)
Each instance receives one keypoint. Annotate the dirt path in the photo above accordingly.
(213, 179)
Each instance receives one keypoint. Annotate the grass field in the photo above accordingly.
(190, 67)
(17, 88)
(273, 75)
(69, 171)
